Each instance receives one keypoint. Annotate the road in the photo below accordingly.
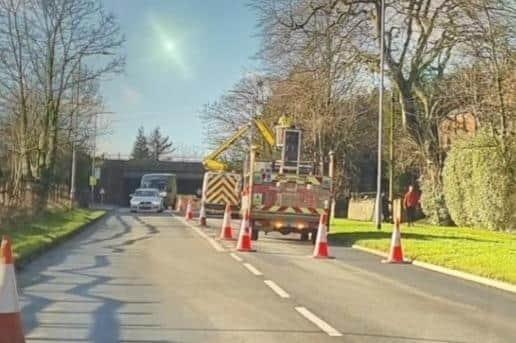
(155, 278)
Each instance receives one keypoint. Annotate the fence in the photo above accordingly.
(27, 203)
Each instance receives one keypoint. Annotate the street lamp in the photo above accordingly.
(378, 205)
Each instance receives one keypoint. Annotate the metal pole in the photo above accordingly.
(93, 158)
(331, 174)
(252, 158)
(75, 115)
(74, 167)
(378, 207)
(391, 156)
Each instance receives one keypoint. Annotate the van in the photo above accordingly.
(166, 184)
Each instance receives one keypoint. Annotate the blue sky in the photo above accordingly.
(181, 54)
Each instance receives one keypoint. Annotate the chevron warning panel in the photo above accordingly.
(223, 188)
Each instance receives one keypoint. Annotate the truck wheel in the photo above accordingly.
(254, 235)
(304, 236)
(314, 236)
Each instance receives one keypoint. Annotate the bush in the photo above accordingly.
(479, 183)
(433, 202)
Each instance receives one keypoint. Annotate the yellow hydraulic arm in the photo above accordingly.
(211, 163)
(265, 131)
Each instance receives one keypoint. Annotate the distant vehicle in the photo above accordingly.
(165, 183)
(146, 199)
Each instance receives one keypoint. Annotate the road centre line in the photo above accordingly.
(252, 269)
(236, 257)
(201, 233)
(327, 328)
(277, 289)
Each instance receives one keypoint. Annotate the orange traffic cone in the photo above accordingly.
(11, 330)
(189, 211)
(321, 243)
(227, 229)
(396, 254)
(202, 215)
(244, 236)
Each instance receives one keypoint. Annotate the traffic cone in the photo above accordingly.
(189, 211)
(244, 236)
(11, 330)
(396, 253)
(227, 229)
(321, 243)
(202, 215)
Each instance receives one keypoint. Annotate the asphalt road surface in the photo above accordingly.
(155, 278)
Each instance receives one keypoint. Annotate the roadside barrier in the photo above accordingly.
(11, 330)
(321, 249)
(226, 231)
(244, 236)
(202, 215)
(396, 252)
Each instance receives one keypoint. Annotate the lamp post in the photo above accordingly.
(378, 205)
(74, 121)
(92, 178)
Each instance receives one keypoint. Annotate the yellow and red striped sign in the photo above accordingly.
(291, 210)
(222, 188)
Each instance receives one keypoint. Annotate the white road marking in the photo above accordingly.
(318, 321)
(201, 233)
(277, 289)
(252, 269)
(236, 257)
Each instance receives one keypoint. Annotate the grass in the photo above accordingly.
(485, 253)
(31, 236)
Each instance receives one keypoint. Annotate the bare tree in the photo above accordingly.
(422, 43)
(43, 45)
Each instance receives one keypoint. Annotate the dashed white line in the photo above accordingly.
(236, 257)
(277, 289)
(252, 269)
(318, 321)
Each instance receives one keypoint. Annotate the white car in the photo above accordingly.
(146, 199)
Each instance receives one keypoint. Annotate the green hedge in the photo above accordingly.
(433, 202)
(479, 183)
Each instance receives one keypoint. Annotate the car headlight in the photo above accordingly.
(133, 203)
(156, 203)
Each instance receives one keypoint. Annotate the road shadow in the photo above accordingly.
(105, 313)
(53, 289)
(126, 230)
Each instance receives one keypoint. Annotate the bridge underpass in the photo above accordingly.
(119, 178)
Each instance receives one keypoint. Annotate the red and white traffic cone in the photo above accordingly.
(202, 215)
(396, 253)
(227, 229)
(244, 236)
(189, 211)
(321, 249)
(11, 330)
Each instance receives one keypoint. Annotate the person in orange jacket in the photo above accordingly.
(410, 203)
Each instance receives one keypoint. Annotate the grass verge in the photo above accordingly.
(485, 253)
(32, 236)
